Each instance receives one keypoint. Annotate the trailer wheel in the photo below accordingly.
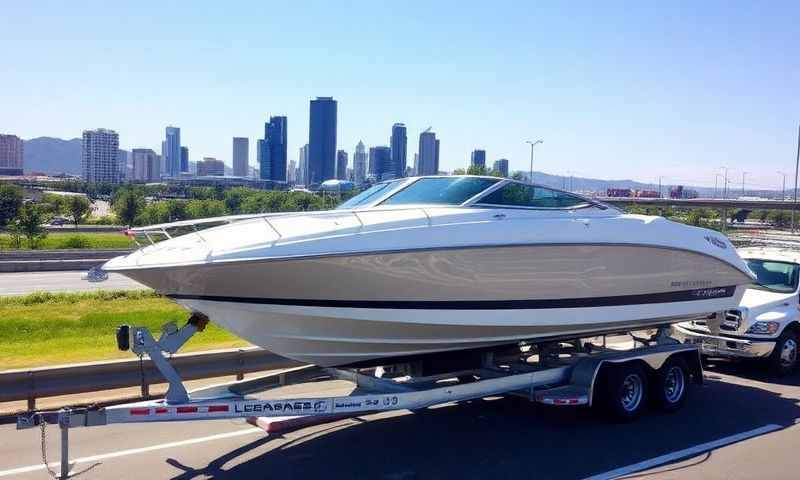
(670, 384)
(623, 391)
(783, 359)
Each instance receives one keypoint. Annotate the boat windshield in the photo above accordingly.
(371, 194)
(441, 190)
(776, 276)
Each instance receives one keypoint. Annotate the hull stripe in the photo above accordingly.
(583, 302)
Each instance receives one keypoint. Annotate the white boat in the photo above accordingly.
(435, 264)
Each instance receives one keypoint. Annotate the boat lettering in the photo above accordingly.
(339, 405)
(691, 283)
(716, 242)
(281, 406)
(710, 292)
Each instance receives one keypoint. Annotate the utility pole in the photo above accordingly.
(725, 184)
(716, 178)
(659, 186)
(796, 165)
(533, 144)
(743, 174)
(783, 188)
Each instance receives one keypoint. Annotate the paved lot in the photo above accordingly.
(493, 438)
(24, 283)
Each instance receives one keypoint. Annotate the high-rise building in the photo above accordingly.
(360, 163)
(302, 166)
(416, 162)
(184, 159)
(99, 151)
(428, 159)
(291, 172)
(380, 163)
(210, 166)
(146, 165)
(478, 158)
(163, 157)
(322, 140)
(272, 160)
(122, 165)
(172, 151)
(398, 143)
(241, 157)
(11, 150)
(341, 165)
(501, 166)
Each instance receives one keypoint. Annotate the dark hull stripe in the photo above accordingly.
(620, 300)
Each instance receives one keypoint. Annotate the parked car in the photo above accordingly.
(766, 324)
(57, 221)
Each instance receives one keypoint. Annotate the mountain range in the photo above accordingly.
(55, 155)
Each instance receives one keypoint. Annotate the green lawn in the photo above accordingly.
(46, 329)
(59, 240)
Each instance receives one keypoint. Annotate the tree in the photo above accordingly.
(459, 171)
(518, 175)
(698, 216)
(76, 207)
(30, 222)
(477, 170)
(780, 218)
(10, 202)
(127, 205)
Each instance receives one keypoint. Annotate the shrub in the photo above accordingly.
(74, 241)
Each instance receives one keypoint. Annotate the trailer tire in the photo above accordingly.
(783, 359)
(623, 391)
(670, 385)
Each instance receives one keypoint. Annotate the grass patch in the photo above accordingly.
(66, 240)
(46, 329)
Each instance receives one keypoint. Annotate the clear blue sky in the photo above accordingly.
(622, 90)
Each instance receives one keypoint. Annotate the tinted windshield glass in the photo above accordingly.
(521, 195)
(441, 190)
(371, 194)
(779, 276)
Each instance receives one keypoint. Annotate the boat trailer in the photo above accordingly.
(560, 374)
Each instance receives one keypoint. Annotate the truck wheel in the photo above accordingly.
(670, 384)
(783, 359)
(623, 391)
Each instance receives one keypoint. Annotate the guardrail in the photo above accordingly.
(30, 384)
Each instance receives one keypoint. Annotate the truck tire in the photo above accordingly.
(670, 384)
(622, 391)
(783, 359)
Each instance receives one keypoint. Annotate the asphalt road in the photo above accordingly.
(23, 283)
(491, 438)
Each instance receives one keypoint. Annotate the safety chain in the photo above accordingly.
(43, 427)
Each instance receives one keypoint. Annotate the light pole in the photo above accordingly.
(725, 183)
(783, 186)
(743, 174)
(796, 165)
(533, 144)
(716, 177)
(659, 185)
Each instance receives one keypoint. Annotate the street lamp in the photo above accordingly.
(783, 186)
(725, 183)
(716, 177)
(743, 175)
(533, 144)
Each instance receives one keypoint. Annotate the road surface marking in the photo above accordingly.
(685, 453)
(132, 451)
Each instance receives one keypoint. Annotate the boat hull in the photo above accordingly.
(334, 310)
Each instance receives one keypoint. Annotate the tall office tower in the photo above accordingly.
(274, 151)
(122, 165)
(478, 158)
(380, 163)
(241, 157)
(184, 159)
(291, 172)
(210, 166)
(99, 150)
(398, 143)
(360, 163)
(428, 160)
(11, 150)
(146, 165)
(163, 158)
(302, 176)
(341, 165)
(172, 152)
(414, 169)
(322, 140)
(501, 166)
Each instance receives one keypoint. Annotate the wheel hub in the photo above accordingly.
(789, 353)
(632, 392)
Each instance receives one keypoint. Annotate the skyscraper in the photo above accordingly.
(380, 163)
(172, 151)
(274, 151)
(322, 140)
(341, 165)
(360, 163)
(241, 157)
(478, 158)
(99, 150)
(398, 143)
(184, 159)
(122, 165)
(428, 159)
(501, 166)
(291, 172)
(210, 166)
(11, 150)
(146, 165)
(302, 176)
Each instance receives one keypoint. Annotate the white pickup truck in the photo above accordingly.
(767, 322)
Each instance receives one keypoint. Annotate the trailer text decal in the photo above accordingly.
(282, 406)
